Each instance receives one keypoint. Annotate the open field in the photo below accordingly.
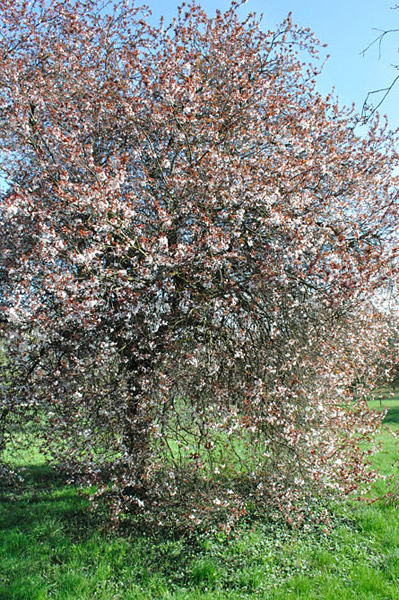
(51, 548)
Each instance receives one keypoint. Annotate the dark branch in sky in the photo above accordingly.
(368, 111)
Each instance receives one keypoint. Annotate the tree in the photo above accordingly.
(192, 241)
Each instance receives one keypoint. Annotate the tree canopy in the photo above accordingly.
(193, 239)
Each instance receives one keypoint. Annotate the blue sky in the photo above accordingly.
(347, 27)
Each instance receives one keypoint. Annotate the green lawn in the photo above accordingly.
(51, 548)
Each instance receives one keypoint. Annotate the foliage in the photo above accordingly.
(192, 241)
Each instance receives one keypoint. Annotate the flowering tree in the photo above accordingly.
(192, 240)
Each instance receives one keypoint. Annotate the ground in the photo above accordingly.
(52, 548)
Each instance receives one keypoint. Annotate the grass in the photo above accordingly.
(52, 548)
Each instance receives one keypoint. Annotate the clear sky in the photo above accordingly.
(347, 27)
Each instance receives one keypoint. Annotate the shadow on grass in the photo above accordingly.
(392, 415)
(42, 495)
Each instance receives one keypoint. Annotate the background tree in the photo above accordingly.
(192, 241)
